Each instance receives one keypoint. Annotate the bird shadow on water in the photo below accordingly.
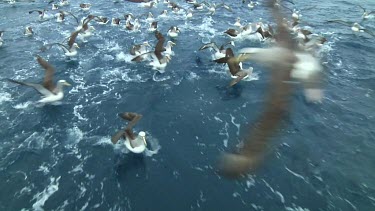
(130, 165)
(229, 93)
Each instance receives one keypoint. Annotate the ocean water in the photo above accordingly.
(60, 157)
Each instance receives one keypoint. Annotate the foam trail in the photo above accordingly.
(43, 196)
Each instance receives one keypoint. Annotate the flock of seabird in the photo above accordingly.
(291, 56)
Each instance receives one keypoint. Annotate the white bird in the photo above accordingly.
(71, 49)
(28, 31)
(189, 13)
(85, 6)
(238, 22)
(63, 3)
(354, 26)
(50, 92)
(168, 48)
(218, 52)
(173, 31)
(366, 14)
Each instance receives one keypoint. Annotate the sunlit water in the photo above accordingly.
(60, 157)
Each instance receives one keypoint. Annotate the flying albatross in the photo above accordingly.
(70, 50)
(51, 92)
(354, 26)
(366, 14)
(235, 66)
(219, 52)
(159, 61)
(282, 60)
(127, 132)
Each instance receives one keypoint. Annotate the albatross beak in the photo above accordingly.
(67, 84)
(144, 140)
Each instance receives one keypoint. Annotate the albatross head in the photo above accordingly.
(171, 43)
(143, 136)
(63, 82)
(75, 45)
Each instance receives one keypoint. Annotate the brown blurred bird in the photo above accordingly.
(285, 62)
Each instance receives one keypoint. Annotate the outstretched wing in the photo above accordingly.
(240, 75)
(276, 107)
(115, 138)
(48, 78)
(72, 38)
(346, 23)
(210, 45)
(37, 87)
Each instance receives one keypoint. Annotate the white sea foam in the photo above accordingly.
(5, 97)
(153, 147)
(124, 57)
(295, 174)
(43, 196)
(23, 105)
(275, 192)
(237, 125)
(43, 168)
(296, 208)
(75, 135)
(76, 113)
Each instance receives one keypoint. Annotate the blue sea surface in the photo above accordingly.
(60, 157)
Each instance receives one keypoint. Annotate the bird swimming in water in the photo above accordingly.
(168, 48)
(115, 21)
(85, 6)
(50, 92)
(238, 22)
(153, 26)
(28, 31)
(101, 20)
(173, 31)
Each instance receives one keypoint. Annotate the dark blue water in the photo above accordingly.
(61, 157)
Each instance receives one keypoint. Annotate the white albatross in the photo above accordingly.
(51, 93)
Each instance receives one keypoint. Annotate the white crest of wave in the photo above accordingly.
(75, 135)
(43, 196)
(4, 97)
(76, 113)
(37, 140)
(124, 57)
(153, 146)
(23, 105)
(107, 57)
(192, 76)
